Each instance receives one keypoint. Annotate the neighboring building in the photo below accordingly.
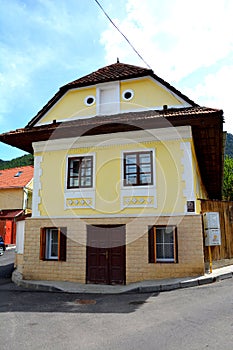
(15, 199)
(121, 160)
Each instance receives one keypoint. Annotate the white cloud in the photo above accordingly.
(174, 38)
(179, 38)
(215, 91)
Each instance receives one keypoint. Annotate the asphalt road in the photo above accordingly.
(7, 264)
(193, 318)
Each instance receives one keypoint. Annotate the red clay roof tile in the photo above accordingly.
(9, 180)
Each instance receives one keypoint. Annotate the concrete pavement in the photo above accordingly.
(139, 287)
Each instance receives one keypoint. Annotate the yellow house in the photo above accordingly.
(121, 161)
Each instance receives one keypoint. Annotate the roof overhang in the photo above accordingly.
(206, 123)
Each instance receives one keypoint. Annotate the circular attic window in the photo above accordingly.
(89, 100)
(128, 95)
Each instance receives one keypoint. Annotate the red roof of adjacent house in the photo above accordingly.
(16, 177)
(10, 213)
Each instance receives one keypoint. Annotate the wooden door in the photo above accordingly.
(106, 254)
(9, 228)
(3, 228)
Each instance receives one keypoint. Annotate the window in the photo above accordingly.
(89, 100)
(138, 169)
(53, 243)
(162, 244)
(128, 95)
(18, 173)
(80, 172)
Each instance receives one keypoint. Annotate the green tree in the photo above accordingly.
(228, 179)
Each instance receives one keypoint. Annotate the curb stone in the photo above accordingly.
(156, 288)
(224, 276)
(187, 284)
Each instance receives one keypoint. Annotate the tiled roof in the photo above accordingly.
(16, 177)
(23, 138)
(113, 72)
(10, 213)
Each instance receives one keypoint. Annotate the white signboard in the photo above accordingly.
(212, 237)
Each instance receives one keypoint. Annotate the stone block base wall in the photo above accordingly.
(190, 249)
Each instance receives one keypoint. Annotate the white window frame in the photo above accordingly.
(80, 193)
(108, 86)
(142, 190)
(163, 245)
(48, 249)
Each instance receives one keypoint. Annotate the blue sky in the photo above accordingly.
(44, 44)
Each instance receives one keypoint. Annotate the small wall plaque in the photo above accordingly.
(190, 206)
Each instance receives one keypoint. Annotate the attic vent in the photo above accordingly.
(18, 174)
(89, 100)
(128, 94)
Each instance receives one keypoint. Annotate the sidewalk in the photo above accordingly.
(139, 287)
(10, 247)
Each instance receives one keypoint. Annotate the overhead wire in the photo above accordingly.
(124, 36)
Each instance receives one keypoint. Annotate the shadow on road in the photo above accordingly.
(16, 299)
(6, 271)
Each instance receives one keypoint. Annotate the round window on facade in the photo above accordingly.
(128, 95)
(89, 100)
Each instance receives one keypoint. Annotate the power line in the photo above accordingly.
(97, 2)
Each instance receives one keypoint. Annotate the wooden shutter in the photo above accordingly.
(62, 232)
(42, 243)
(175, 245)
(152, 244)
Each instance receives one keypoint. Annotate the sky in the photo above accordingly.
(45, 44)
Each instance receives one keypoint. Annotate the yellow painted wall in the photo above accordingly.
(147, 94)
(169, 169)
(11, 198)
(198, 184)
(71, 105)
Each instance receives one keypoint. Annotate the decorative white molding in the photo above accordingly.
(121, 138)
(187, 175)
(36, 200)
(119, 215)
(81, 199)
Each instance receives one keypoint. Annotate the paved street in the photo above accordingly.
(6, 264)
(193, 318)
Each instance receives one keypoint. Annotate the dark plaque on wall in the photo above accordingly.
(190, 206)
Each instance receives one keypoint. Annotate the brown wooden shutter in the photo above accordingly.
(62, 243)
(152, 245)
(42, 243)
(175, 244)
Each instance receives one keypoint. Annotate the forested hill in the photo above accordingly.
(229, 145)
(27, 159)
